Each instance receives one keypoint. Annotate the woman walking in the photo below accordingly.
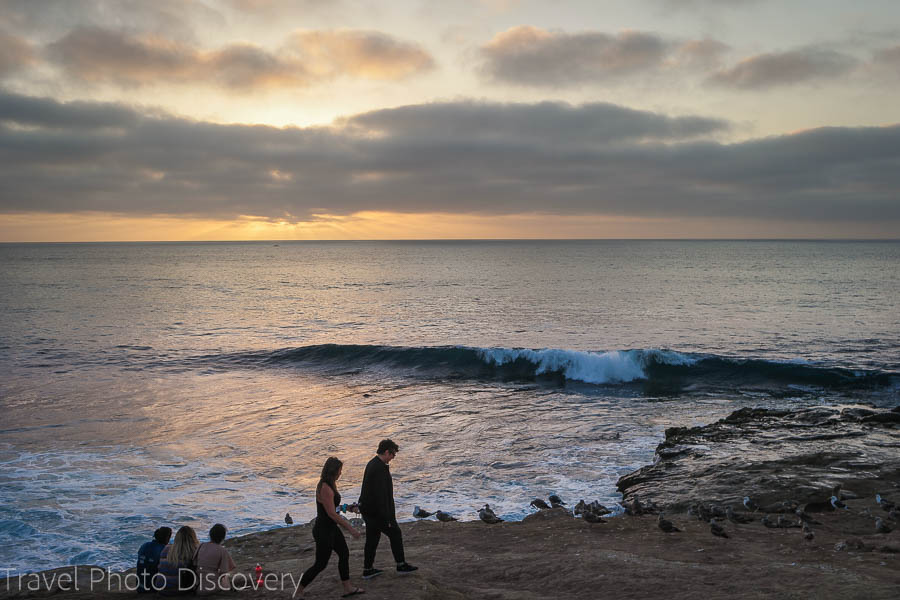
(327, 532)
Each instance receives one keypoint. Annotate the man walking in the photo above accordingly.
(376, 503)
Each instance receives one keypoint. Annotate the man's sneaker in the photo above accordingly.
(370, 573)
(406, 568)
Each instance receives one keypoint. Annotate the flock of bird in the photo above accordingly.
(714, 515)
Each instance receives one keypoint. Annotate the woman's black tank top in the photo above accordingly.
(322, 519)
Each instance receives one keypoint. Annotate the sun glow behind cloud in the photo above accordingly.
(372, 225)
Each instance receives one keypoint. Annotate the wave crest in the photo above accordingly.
(660, 371)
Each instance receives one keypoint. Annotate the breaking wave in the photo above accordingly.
(667, 369)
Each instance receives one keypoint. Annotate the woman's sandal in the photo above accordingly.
(355, 592)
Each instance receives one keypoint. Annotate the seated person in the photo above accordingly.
(213, 563)
(148, 559)
(176, 564)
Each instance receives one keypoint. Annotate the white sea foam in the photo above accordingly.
(617, 366)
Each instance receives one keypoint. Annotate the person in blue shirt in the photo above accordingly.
(148, 559)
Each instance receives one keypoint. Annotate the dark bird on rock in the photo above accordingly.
(750, 504)
(716, 529)
(765, 521)
(835, 502)
(579, 508)
(598, 508)
(665, 524)
(808, 534)
(592, 517)
(444, 517)
(555, 500)
(539, 504)
(881, 526)
(894, 514)
(843, 494)
(287, 519)
(805, 517)
(885, 503)
(736, 517)
(637, 509)
(703, 513)
(717, 511)
(421, 513)
(487, 515)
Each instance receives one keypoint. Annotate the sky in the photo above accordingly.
(138, 120)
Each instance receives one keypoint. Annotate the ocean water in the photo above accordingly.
(151, 384)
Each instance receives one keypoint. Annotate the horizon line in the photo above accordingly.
(292, 241)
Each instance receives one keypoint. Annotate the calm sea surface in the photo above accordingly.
(150, 384)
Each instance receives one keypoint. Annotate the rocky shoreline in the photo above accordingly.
(772, 456)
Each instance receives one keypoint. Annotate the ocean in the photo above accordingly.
(194, 383)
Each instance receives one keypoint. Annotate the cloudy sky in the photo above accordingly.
(368, 119)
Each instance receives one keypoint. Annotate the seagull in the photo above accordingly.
(716, 529)
(837, 503)
(665, 524)
(750, 504)
(703, 513)
(599, 509)
(786, 523)
(736, 517)
(637, 508)
(592, 517)
(287, 519)
(805, 518)
(765, 521)
(555, 500)
(881, 526)
(539, 504)
(843, 494)
(420, 513)
(579, 508)
(884, 502)
(808, 532)
(487, 515)
(444, 517)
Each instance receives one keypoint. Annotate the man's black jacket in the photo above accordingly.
(376, 498)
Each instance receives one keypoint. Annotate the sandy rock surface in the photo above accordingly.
(553, 555)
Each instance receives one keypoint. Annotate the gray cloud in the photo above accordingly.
(15, 53)
(705, 4)
(555, 123)
(888, 57)
(455, 157)
(91, 54)
(48, 19)
(533, 56)
(785, 68)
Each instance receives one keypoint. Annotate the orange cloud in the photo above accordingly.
(366, 54)
(15, 53)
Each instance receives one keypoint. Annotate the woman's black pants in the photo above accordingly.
(328, 541)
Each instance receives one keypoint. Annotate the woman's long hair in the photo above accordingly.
(330, 472)
(184, 546)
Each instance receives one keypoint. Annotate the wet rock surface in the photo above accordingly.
(772, 456)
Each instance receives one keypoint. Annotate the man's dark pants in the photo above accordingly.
(374, 528)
